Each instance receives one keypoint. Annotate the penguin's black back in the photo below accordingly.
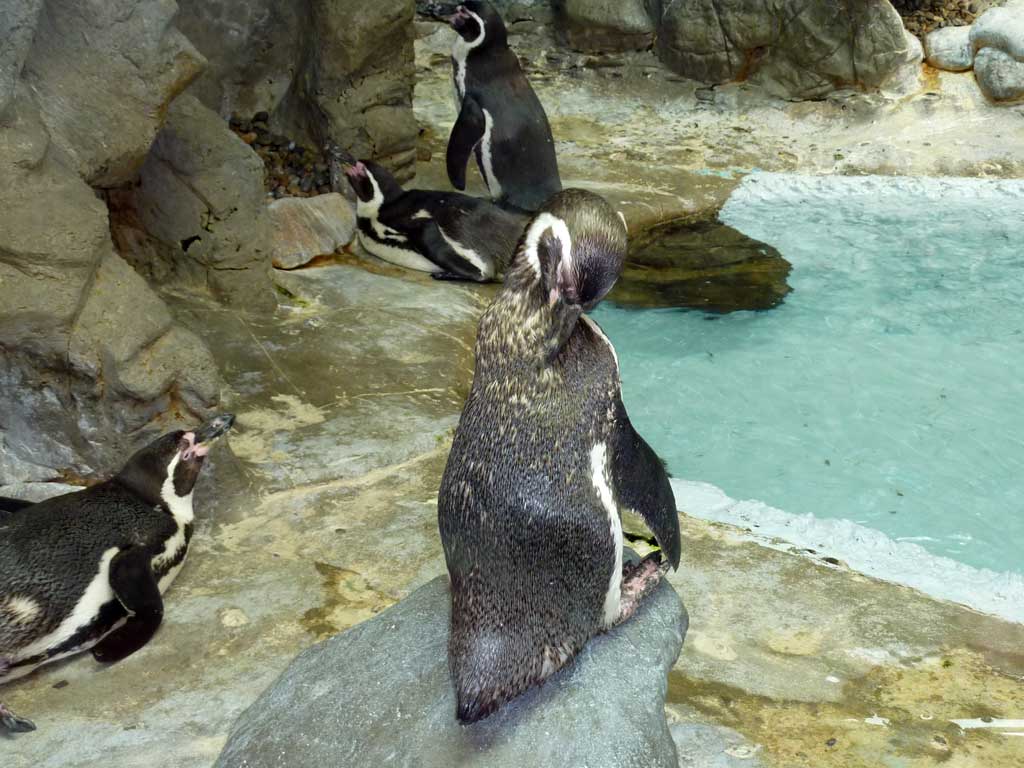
(522, 147)
(51, 551)
(526, 538)
(488, 229)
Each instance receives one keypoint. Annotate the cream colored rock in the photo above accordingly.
(307, 227)
(950, 49)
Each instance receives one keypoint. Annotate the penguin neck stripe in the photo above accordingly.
(180, 507)
(540, 225)
(460, 50)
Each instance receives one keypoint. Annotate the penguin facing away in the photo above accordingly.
(86, 570)
(450, 235)
(543, 460)
(501, 120)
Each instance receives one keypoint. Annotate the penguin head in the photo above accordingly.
(478, 23)
(576, 246)
(166, 470)
(373, 184)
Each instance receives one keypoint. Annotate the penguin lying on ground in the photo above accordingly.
(544, 459)
(87, 569)
(452, 236)
(500, 120)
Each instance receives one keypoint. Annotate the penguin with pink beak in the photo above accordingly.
(87, 570)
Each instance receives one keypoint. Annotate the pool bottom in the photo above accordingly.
(863, 549)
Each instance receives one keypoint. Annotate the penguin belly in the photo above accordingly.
(396, 254)
(95, 614)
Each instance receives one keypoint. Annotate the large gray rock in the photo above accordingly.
(252, 48)
(90, 355)
(802, 53)
(17, 25)
(306, 227)
(949, 48)
(201, 195)
(103, 73)
(997, 39)
(608, 25)
(381, 694)
(355, 81)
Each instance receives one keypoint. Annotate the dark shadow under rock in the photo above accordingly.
(380, 694)
(703, 265)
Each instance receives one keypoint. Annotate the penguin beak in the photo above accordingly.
(355, 170)
(197, 444)
(441, 11)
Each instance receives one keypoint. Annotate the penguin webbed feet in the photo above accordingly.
(639, 580)
(11, 723)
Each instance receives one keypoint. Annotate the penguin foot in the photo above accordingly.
(14, 724)
(638, 581)
(450, 276)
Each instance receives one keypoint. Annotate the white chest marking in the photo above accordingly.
(183, 513)
(370, 211)
(599, 476)
(421, 214)
(460, 51)
(470, 255)
(95, 596)
(403, 257)
(487, 157)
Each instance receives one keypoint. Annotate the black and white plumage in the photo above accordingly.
(450, 235)
(543, 460)
(501, 121)
(86, 570)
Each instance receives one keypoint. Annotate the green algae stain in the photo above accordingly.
(348, 600)
(893, 716)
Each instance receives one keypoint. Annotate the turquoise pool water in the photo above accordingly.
(887, 390)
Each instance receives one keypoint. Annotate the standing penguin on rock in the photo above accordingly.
(500, 120)
(450, 235)
(87, 569)
(544, 459)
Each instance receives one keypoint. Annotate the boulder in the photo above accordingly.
(103, 74)
(17, 25)
(201, 195)
(252, 48)
(608, 25)
(355, 80)
(701, 265)
(303, 228)
(997, 39)
(380, 694)
(949, 48)
(821, 48)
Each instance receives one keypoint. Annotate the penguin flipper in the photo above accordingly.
(452, 265)
(641, 484)
(466, 134)
(135, 585)
(9, 506)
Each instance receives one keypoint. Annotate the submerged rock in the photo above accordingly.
(381, 694)
(306, 227)
(950, 49)
(705, 265)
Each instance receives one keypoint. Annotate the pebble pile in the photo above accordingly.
(292, 170)
(922, 16)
